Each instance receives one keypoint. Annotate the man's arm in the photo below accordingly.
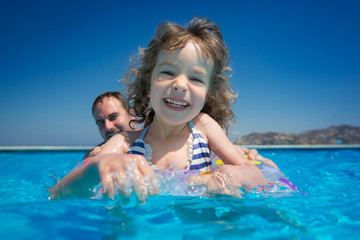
(93, 152)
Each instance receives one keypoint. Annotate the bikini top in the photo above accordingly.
(198, 151)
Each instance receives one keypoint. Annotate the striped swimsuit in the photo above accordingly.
(198, 152)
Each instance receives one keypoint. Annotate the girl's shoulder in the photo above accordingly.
(205, 123)
(203, 120)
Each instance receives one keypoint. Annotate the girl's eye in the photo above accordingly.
(197, 80)
(168, 73)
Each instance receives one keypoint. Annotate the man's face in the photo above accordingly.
(111, 117)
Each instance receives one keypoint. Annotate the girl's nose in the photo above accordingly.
(180, 84)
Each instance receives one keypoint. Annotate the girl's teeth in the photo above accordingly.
(176, 104)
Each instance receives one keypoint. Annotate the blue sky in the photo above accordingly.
(295, 64)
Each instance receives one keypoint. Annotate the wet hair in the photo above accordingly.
(170, 36)
(119, 96)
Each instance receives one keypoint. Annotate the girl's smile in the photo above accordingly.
(176, 104)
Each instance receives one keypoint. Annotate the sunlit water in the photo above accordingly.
(326, 207)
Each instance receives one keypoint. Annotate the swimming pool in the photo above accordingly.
(329, 209)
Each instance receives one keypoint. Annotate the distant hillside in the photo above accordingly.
(343, 134)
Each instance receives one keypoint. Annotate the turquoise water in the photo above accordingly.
(328, 209)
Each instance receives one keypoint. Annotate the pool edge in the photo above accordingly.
(265, 147)
(44, 148)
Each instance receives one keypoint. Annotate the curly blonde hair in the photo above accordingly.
(169, 36)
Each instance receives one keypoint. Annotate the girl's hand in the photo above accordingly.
(124, 173)
(253, 154)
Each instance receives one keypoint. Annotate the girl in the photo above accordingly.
(179, 89)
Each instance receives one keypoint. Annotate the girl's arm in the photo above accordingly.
(223, 148)
(107, 168)
(227, 178)
(218, 141)
(77, 183)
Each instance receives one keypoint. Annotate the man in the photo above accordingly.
(112, 115)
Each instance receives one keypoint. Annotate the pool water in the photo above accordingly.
(327, 206)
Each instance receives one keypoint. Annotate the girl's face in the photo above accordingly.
(179, 83)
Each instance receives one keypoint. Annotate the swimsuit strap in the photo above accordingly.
(140, 147)
(144, 132)
(191, 125)
(199, 153)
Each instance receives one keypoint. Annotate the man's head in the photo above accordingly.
(111, 113)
